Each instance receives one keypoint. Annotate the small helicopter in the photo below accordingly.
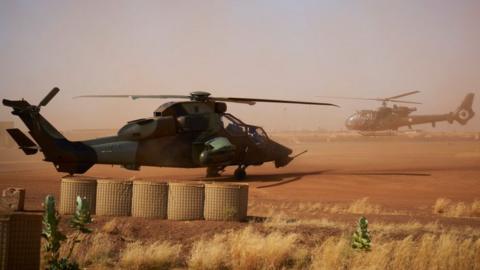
(187, 134)
(369, 122)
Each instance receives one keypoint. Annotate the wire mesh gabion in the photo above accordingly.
(149, 199)
(114, 197)
(185, 201)
(20, 240)
(226, 202)
(73, 186)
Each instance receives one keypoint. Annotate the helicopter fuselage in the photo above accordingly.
(392, 118)
(180, 134)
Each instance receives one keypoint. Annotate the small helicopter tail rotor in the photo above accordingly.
(49, 97)
(465, 112)
(23, 105)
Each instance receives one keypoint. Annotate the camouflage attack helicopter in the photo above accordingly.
(369, 122)
(188, 134)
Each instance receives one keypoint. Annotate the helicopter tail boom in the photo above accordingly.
(67, 156)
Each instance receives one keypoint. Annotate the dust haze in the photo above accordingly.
(419, 190)
(271, 49)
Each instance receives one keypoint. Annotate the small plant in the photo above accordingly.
(51, 233)
(361, 237)
(54, 237)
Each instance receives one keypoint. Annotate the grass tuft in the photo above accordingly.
(159, 255)
(446, 207)
(248, 249)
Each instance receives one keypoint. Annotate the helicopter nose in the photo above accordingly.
(280, 154)
(350, 122)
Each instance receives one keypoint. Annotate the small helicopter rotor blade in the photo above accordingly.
(402, 95)
(390, 99)
(404, 101)
(353, 98)
(253, 101)
(49, 97)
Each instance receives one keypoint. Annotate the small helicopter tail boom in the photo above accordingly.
(465, 112)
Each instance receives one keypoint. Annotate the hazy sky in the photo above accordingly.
(266, 49)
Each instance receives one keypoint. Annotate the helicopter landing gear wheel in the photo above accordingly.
(214, 171)
(240, 173)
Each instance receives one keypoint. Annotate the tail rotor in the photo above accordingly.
(465, 112)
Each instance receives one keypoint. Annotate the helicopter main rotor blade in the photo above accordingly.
(403, 95)
(253, 101)
(133, 96)
(404, 101)
(49, 97)
(249, 101)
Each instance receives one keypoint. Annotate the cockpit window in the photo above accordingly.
(257, 134)
(233, 126)
(367, 115)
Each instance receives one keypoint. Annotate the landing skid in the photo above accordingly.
(388, 133)
(379, 133)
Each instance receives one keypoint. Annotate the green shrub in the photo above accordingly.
(361, 237)
(54, 237)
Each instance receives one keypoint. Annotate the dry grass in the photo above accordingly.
(446, 251)
(280, 244)
(112, 226)
(248, 249)
(446, 207)
(159, 255)
(97, 249)
(361, 206)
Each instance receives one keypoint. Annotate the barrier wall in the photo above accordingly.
(227, 202)
(149, 199)
(73, 186)
(185, 201)
(20, 241)
(114, 197)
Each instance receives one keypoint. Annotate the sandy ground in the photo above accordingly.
(407, 175)
(404, 177)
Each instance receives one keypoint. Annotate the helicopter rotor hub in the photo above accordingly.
(200, 96)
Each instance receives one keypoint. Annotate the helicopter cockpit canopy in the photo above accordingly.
(235, 127)
(360, 119)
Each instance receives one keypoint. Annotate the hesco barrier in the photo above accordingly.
(226, 202)
(185, 201)
(73, 186)
(149, 199)
(114, 197)
(20, 241)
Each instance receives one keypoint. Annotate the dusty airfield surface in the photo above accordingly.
(402, 175)
(402, 180)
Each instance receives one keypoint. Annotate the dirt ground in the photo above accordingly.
(406, 176)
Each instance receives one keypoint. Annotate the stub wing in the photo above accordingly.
(23, 142)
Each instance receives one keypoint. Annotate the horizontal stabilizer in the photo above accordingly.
(24, 143)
